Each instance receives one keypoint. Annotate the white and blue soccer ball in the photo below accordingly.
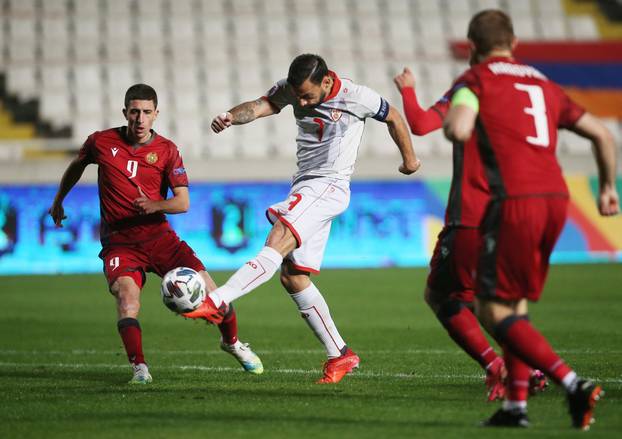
(183, 290)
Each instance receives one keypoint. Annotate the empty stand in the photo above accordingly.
(77, 57)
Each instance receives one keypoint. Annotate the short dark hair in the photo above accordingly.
(307, 66)
(141, 92)
(491, 29)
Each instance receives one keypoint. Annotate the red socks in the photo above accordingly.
(129, 329)
(229, 327)
(530, 346)
(464, 329)
(518, 376)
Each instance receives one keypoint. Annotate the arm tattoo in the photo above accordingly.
(245, 112)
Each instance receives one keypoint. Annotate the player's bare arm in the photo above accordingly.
(459, 123)
(178, 203)
(401, 136)
(243, 113)
(604, 150)
(69, 179)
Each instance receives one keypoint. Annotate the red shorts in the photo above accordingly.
(519, 235)
(453, 263)
(158, 255)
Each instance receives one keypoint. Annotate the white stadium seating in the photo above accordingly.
(77, 57)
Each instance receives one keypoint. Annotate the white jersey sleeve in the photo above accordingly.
(368, 103)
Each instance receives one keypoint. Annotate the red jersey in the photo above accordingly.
(124, 167)
(520, 111)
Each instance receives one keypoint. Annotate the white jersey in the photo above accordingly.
(329, 134)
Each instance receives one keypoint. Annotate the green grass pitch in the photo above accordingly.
(63, 371)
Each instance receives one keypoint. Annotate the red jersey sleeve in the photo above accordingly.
(87, 151)
(423, 121)
(569, 110)
(175, 170)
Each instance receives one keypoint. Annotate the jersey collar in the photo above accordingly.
(123, 134)
(336, 86)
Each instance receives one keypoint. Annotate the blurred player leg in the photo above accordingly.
(450, 294)
(463, 327)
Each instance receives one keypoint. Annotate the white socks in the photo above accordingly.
(314, 310)
(520, 406)
(570, 381)
(252, 274)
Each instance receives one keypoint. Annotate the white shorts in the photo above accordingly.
(308, 212)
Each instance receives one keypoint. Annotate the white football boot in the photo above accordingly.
(245, 356)
(141, 374)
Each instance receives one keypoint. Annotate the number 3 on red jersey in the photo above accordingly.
(538, 112)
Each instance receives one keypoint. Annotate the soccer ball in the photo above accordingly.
(183, 290)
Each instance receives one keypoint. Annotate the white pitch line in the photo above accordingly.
(277, 352)
(363, 374)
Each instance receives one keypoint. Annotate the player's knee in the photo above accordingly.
(291, 283)
(281, 238)
(292, 280)
(448, 309)
(127, 294)
(433, 299)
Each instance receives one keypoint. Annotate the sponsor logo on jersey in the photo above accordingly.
(114, 151)
(179, 171)
(151, 158)
(335, 114)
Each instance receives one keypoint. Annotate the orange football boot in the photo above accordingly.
(336, 368)
(209, 311)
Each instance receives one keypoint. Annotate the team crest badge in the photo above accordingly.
(335, 114)
(151, 158)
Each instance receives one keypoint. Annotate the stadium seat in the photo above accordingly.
(552, 27)
(525, 28)
(582, 27)
(460, 9)
(520, 9)
(150, 29)
(425, 8)
(54, 8)
(22, 8)
(86, 28)
(87, 78)
(221, 146)
(458, 26)
(367, 8)
(234, 51)
(572, 143)
(551, 8)
(487, 4)
(254, 141)
(21, 80)
(54, 77)
(86, 10)
(55, 108)
(54, 51)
